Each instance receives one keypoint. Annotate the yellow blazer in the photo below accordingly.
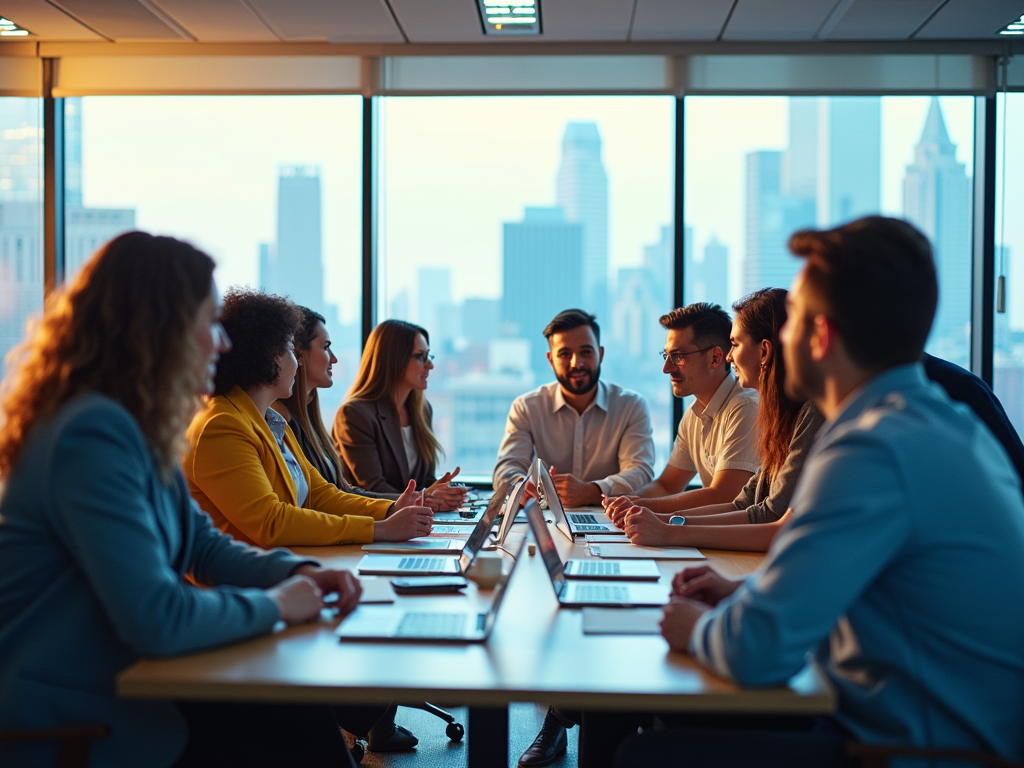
(237, 474)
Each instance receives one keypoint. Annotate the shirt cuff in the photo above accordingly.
(301, 563)
(607, 487)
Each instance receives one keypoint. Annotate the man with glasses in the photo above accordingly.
(716, 435)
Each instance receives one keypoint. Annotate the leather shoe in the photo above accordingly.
(549, 744)
(400, 739)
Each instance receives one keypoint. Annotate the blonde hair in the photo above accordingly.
(122, 328)
(385, 358)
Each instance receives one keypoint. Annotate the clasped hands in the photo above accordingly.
(640, 524)
(572, 491)
(694, 591)
(310, 588)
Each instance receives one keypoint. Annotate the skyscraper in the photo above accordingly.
(543, 256)
(297, 269)
(936, 197)
(583, 196)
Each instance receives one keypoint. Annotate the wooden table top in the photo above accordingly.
(536, 652)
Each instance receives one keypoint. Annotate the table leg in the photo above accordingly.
(488, 737)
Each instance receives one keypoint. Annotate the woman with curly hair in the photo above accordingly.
(244, 466)
(784, 431)
(383, 430)
(97, 530)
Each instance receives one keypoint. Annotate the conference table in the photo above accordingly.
(535, 653)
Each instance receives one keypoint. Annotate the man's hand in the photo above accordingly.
(444, 497)
(298, 599)
(529, 492)
(616, 507)
(405, 524)
(573, 492)
(341, 583)
(702, 583)
(410, 498)
(678, 620)
(643, 527)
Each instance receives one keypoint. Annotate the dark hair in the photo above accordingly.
(760, 315)
(874, 279)
(568, 319)
(260, 325)
(710, 323)
(123, 326)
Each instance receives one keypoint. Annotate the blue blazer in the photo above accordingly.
(94, 549)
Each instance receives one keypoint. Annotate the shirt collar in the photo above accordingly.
(276, 423)
(722, 396)
(601, 401)
(870, 393)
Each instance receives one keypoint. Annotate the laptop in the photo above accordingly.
(468, 514)
(510, 511)
(571, 524)
(376, 622)
(580, 593)
(425, 563)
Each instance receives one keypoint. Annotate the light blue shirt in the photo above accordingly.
(277, 426)
(901, 569)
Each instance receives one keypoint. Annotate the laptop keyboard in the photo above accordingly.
(596, 568)
(583, 519)
(420, 563)
(591, 528)
(415, 624)
(601, 593)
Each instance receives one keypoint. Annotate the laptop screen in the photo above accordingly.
(511, 510)
(542, 480)
(483, 527)
(546, 544)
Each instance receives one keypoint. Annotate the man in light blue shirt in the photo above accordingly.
(901, 566)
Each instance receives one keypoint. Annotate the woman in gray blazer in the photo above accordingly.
(383, 430)
(97, 531)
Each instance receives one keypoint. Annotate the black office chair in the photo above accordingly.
(454, 730)
(75, 741)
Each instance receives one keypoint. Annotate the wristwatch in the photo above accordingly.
(676, 520)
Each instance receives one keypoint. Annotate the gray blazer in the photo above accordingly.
(369, 438)
(94, 549)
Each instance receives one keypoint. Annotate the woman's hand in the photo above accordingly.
(298, 599)
(643, 527)
(444, 497)
(616, 507)
(410, 498)
(405, 524)
(342, 585)
(703, 584)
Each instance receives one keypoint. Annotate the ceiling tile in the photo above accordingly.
(46, 22)
(680, 19)
(777, 19)
(119, 19)
(336, 21)
(881, 19)
(212, 21)
(439, 21)
(968, 19)
(586, 19)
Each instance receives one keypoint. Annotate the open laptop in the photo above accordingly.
(579, 593)
(374, 622)
(469, 513)
(510, 511)
(571, 524)
(428, 564)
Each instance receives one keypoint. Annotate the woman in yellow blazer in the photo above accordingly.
(246, 469)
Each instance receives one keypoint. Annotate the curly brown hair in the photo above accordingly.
(124, 328)
(260, 326)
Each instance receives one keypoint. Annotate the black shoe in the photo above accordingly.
(400, 739)
(549, 744)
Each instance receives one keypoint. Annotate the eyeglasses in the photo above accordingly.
(678, 357)
(423, 357)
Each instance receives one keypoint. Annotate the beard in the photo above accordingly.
(583, 388)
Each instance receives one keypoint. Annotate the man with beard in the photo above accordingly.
(899, 567)
(716, 434)
(596, 437)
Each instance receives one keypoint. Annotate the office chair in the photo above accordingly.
(454, 730)
(76, 741)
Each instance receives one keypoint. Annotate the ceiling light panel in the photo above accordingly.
(1014, 28)
(9, 29)
(510, 17)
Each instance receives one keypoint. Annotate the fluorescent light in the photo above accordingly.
(9, 29)
(510, 17)
(1015, 27)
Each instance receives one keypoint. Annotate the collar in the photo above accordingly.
(873, 391)
(722, 396)
(276, 423)
(601, 401)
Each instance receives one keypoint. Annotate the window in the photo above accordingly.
(1008, 362)
(21, 218)
(496, 214)
(269, 186)
(758, 168)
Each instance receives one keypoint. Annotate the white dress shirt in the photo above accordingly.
(609, 443)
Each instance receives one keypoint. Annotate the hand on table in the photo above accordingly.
(406, 523)
(444, 497)
(298, 599)
(702, 583)
(678, 620)
(574, 492)
(335, 581)
(643, 527)
(616, 507)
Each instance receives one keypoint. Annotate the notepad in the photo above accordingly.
(376, 590)
(605, 538)
(621, 621)
(624, 551)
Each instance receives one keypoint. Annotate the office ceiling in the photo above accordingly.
(457, 21)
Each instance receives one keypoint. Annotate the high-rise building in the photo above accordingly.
(583, 196)
(297, 269)
(936, 198)
(434, 303)
(542, 256)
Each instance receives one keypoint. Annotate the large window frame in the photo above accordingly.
(776, 75)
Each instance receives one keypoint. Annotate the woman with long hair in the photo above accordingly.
(98, 533)
(245, 467)
(383, 430)
(784, 431)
